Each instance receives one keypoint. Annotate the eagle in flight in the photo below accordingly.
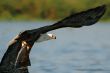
(16, 58)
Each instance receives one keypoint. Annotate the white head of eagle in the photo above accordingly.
(45, 37)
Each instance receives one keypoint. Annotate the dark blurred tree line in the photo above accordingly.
(46, 9)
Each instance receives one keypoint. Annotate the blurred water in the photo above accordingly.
(81, 50)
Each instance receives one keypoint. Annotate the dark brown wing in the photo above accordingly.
(7, 64)
(11, 53)
(85, 18)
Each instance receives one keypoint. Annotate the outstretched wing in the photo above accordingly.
(11, 53)
(85, 18)
(7, 63)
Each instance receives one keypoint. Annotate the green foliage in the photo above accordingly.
(46, 9)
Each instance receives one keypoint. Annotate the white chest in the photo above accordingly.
(43, 37)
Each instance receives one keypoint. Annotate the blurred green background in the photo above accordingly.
(47, 9)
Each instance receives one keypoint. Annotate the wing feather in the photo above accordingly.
(85, 18)
(7, 64)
